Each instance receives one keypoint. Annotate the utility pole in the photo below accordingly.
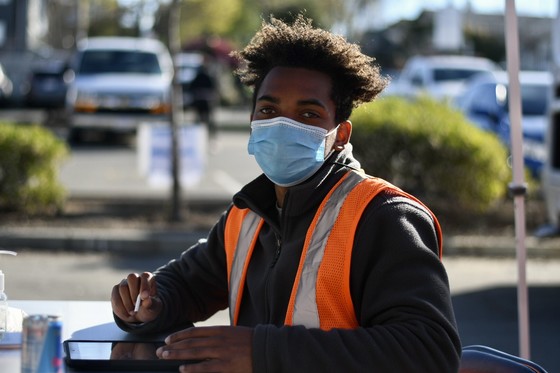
(82, 27)
(176, 116)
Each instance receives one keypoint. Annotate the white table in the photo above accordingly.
(80, 320)
(92, 320)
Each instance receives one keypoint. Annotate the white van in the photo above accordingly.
(118, 83)
(440, 76)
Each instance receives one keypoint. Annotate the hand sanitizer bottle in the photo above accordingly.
(3, 301)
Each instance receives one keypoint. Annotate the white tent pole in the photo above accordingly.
(518, 186)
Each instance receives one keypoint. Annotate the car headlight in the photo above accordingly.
(149, 102)
(155, 104)
(86, 101)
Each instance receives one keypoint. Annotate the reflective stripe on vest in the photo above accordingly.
(320, 296)
(241, 233)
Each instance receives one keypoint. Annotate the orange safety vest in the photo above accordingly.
(320, 296)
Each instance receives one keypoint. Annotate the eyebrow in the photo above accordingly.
(310, 101)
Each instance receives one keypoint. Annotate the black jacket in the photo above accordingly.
(399, 286)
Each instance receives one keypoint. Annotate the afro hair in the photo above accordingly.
(355, 77)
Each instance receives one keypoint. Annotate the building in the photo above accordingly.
(24, 25)
(470, 34)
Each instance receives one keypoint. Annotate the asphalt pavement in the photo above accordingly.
(482, 270)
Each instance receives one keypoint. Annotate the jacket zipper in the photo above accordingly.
(278, 250)
(270, 267)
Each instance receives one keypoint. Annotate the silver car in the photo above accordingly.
(119, 83)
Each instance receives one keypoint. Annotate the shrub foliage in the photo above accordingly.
(431, 150)
(29, 160)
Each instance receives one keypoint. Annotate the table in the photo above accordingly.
(91, 320)
(80, 319)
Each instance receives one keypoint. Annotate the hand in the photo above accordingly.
(124, 295)
(222, 349)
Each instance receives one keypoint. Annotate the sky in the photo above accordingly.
(394, 10)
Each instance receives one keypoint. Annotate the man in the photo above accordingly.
(323, 268)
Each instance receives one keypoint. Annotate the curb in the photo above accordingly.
(147, 241)
(83, 240)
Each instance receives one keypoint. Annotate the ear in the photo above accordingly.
(343, 135)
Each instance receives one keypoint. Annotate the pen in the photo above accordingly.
(137, 305)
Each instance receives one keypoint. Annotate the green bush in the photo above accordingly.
(432, 151)
(29, 159)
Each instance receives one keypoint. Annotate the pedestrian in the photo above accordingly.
(323, 268)
(204, 92)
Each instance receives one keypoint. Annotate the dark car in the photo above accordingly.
(485, 103)
(47, 88)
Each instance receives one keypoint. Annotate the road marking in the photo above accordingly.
(228, 183)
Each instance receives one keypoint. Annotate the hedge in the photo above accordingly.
(432, 151)
(29, 160)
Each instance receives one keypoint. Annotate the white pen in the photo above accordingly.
(137, 305)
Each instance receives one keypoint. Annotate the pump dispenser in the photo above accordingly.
(3, 300)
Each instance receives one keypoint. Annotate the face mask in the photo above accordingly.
(287, 151)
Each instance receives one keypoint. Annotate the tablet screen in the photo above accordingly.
(112, 350)
(118, 355)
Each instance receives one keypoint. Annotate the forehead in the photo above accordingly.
(297, 82)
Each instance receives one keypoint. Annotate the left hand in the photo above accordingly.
(222, 349)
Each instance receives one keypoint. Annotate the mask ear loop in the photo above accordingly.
(334, 147)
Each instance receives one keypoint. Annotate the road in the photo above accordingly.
(113, 171)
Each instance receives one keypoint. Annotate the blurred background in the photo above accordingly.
(37, 37)
(87, 188)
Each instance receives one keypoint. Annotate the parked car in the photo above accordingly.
(6, 87)
(485, 103)
(119, 83)
(47, 86)
(440, 76)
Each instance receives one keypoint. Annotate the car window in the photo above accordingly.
(111, 61)
(534, 99)
(444, 74)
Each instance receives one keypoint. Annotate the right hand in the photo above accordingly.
(124, 294)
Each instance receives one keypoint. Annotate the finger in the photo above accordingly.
(134, 281)
(150, 304)
(128, 289)
(198, 332)
(147, 285)
(148, 291)
(116, 303)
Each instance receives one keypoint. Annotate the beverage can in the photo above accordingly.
(41, 344)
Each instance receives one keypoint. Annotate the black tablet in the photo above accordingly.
(117, 356)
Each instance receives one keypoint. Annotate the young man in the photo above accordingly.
(323, 268)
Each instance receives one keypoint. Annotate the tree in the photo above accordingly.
(201, 18)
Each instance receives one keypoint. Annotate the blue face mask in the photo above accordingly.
(287, 151)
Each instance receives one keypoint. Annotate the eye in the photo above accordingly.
(267, 110)
(310, 115)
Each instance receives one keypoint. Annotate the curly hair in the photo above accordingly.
(355, 77)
